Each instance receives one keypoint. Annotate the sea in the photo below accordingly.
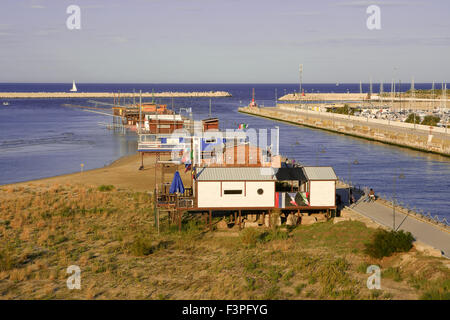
(43, 138)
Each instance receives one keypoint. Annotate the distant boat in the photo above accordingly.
(6, 103)
(74, 87)
(337, 83)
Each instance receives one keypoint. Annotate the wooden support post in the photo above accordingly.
(235, 217)
(179, 220)
(239, 219)
(210, 220)
(270, 218)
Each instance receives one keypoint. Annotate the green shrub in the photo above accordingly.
(430, 120)
(104, 187)
(412, 117)
(385, 243)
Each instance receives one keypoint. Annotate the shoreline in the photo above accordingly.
(56, 95)
(122, 173)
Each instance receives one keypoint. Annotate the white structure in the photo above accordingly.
(321, 186)
(235, 187)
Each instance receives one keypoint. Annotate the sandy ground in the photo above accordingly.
(123, 173)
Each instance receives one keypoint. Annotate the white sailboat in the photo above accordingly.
(74, 87)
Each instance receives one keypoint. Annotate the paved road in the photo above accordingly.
(422, 231)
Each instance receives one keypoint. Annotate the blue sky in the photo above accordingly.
(224, 41)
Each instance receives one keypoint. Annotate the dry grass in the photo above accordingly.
(111, 236)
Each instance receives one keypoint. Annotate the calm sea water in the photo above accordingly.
(41, 138)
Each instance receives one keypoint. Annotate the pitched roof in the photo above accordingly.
(235, 174)
(319, 173)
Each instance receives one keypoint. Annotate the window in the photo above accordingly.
(232, 191)
(260, 191)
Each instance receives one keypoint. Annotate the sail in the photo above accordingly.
(74, 87)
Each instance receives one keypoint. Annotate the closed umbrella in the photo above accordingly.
(177, 184)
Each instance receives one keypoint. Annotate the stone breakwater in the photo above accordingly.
(325, 97)
(405, 137)
(37, 95)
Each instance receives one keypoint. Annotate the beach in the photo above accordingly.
(122, 174)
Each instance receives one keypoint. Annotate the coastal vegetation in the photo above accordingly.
(429, 120)
(413, 118)
(385, 243)
(346, 109)
(112, 237)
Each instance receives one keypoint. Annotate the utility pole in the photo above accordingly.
(301, 78)
(432, 95)
(381, 91)
(140, 111)
(209, 108)
(276, 98)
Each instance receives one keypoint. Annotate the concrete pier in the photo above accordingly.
(422, 138)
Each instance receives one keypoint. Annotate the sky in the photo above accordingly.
(224, 41)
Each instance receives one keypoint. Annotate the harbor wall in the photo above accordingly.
(423, 140)
(37, 95)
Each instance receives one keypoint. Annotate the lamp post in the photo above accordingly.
(320, 149)
(355, 162)
(401, 176)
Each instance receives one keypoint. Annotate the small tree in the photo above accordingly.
(413, 118)
(431, 120)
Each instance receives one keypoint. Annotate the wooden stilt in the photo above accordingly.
(270, 218)
(239, 219)
(235, 217)
(179, 220)
(210, 220)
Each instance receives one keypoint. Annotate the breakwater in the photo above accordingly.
(46, 95)
(430, 140)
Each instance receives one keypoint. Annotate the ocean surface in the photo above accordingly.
(41, 138)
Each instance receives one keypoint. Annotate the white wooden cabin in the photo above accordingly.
(235, 188)
(321, 186)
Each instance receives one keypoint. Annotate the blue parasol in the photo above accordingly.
(177, 184)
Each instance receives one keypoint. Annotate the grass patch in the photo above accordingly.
(106, 187)
(393, 273)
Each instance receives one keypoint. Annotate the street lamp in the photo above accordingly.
(401, 176)
(320, 149)
(355, 162)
